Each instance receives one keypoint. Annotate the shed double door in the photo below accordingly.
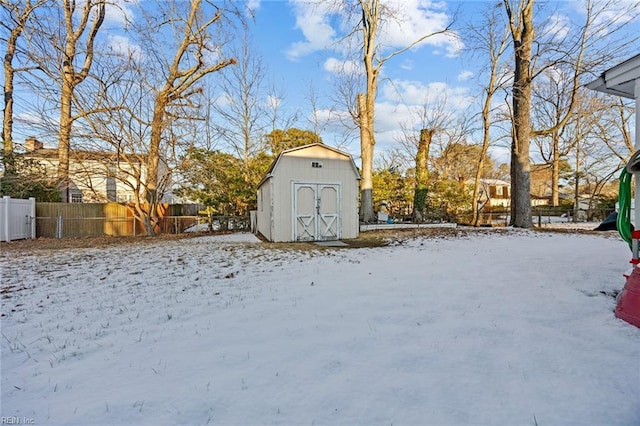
(316, 211)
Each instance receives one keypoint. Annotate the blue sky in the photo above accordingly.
(300, 46)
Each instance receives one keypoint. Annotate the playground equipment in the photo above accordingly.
(628, 306)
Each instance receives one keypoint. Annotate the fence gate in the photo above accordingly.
(17, 218)
(316, 208)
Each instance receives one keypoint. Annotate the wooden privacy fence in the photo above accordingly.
(17, 218)
(61, 220)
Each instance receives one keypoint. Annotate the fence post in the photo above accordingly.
(27, 226)
(6, 200)
(32, 223)
(59, 227)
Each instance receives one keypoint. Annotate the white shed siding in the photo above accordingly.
(296, 167)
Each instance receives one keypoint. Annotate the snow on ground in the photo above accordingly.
(491, 328)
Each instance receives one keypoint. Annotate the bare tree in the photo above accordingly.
(612, 125)
(190, 63)
(372, 17)
(239, 105)
(548, 110)
(317, 125)
(556, 51)
(522, 35)
(149, 98)
(558, 90)
(489, 38)
(16, 14)
(274, 110)
(81, 23)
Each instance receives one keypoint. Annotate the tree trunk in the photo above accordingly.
(476, 182)
(486, 128)
(64, 139)
(7, 124)
(181, 77)
(422, 175)
(367, 214)
(523, 37)
(71, 78)
(9, 74)
(153, 160)
(555, 172)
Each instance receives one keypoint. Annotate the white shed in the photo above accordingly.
(309, 193)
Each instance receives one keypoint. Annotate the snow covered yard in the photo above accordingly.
(475, 328)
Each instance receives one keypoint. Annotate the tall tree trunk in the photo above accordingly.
(9, 73)
(486, 128)
(7, 123)
(486, 124)
(72, 77)
(373, 13)
(493, 39)
(366, 104)
(523, 35)
(555, 171)
(64, 138)
(153, 161)
(179, 86)
(422, 175)
(367, 142)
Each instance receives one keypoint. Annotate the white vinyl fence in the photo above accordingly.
(17, 219)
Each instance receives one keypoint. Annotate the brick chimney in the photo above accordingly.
(32, 144)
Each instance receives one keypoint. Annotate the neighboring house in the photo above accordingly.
(309, 193)
(95, 176)
(497, 193)
(494, 193)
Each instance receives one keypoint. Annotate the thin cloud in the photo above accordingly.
(412, 19)
(416, 92)
(407, 64)
(465, 75)
(338, 66)
(557, 27)
(122, 46)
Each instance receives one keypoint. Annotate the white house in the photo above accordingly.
(95, 176)
(309, 193)
(495, 193)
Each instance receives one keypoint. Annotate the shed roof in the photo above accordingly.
(620, 79)
(276, 162)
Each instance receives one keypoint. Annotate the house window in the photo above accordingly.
(499, 190)
(76, 198)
